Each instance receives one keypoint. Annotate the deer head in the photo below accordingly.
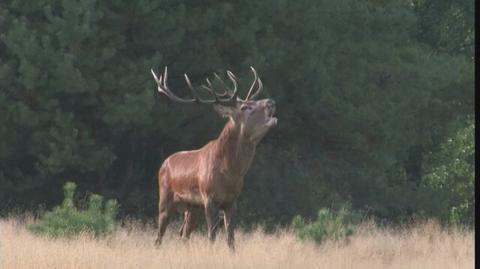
(254, 117)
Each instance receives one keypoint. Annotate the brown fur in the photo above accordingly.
(211, 178)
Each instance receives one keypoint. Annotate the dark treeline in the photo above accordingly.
(374, 101)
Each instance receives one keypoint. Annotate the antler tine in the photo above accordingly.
(196, 95)
(231, 92)
(190, 87)
(165, 74)
(255, 80)
(260, 88)
(154, 76)
(234, 80)
(210, 89)
(223, 83)
(164, 88)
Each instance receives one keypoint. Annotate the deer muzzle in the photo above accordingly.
(270, 111)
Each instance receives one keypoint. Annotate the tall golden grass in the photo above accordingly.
(424, 246)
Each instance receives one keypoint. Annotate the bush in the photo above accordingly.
(330, 224)
(66, 220)
(451, 171)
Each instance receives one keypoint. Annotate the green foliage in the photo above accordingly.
(447, 25)
(451, 171)
(365, 90)
(66, 220)
(329, 224)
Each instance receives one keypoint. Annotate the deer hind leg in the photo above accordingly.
(182, 228)
(218, 222)
(164, 212)
(184, 210)
(186, 220)
(190, 220)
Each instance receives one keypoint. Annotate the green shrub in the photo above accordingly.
(330, 224)
(66, 220)
(451, 171)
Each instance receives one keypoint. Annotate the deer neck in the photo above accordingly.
(235, 149)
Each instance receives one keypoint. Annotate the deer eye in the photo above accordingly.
(245, 107)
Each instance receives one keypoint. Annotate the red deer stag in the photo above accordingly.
(211, 178)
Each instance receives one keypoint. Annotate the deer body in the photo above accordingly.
(211, 178)
(216, 170)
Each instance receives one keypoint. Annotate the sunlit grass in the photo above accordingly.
(424, 246)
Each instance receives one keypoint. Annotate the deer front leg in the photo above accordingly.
(229, 224)
(211, 213)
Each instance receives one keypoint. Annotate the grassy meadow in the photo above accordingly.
(422, 246)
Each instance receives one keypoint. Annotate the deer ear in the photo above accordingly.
(224, 111)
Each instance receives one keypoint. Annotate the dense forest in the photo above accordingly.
(374, 101)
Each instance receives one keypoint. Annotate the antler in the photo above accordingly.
(217, 98)
(256, 80)
(228, 96)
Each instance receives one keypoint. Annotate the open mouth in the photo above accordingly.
(271, 120)
(270, 110)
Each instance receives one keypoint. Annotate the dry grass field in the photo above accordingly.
(424, 246)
